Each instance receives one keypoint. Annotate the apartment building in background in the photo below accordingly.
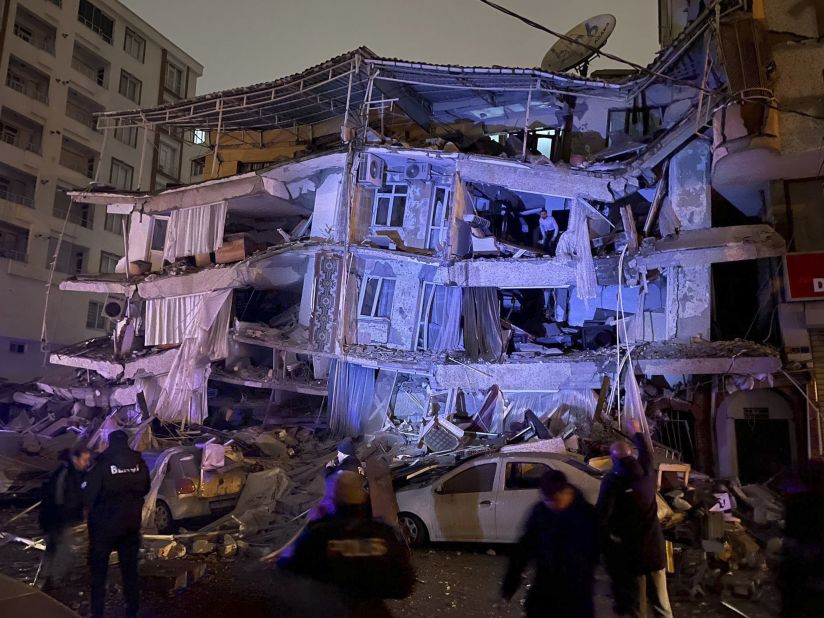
(62, 61)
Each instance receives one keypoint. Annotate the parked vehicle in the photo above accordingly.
(186, 493)
(485, 499)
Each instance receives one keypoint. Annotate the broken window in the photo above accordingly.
(524, 475)
(159, 226)
(477, 479)
(389, 206)
(439, 224)
(634, 123)
(433, 297)
(376, 297)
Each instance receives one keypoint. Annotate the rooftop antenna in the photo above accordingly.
(566, 55)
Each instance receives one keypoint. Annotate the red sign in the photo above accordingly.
(804, 275)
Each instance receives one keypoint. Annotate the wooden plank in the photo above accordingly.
(602, 398)
(381, 493)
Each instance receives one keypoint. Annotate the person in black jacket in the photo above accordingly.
(60, 510)
(346, 459)
(561, 537)
(633, 538)
(364, 560)
(115, 489)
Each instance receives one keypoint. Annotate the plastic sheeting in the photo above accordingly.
(482, 324)
(576, 406)
(194, 230)
(183, 397)
(351, 393)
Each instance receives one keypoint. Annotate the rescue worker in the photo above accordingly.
(115, 488)
(365, 560)
(346, 459)
(561, 538)
(633, 538)
(61, 510)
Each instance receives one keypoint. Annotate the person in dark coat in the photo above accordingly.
(364, 560)
(632, 535)
(561, 538)
(115, 488)
(346, 460)
(61, 509)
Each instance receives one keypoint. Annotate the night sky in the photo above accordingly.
(243, 42)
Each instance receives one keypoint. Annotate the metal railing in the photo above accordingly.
(95, 28)
(23, 200)
(82, 116)
(14, 140)
(96, 75)
(13, 254)
(39, 41)
(27, 88)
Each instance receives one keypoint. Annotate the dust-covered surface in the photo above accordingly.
(452, 579)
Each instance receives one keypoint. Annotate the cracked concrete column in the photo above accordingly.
(689, 288)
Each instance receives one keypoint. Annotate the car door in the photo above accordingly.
(464, 503)
(518, 494)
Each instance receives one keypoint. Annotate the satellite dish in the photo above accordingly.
(565, 55)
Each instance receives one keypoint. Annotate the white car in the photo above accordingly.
(485, 499)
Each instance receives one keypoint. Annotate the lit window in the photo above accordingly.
(200, 137)
(389, 206)
(376, 297)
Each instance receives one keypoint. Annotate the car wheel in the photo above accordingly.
(413, 529)
(163, 518)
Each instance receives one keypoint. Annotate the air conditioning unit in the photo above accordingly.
(416, 171)
(371, 170)
(114, 310)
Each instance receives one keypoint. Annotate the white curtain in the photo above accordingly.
(351, 394)
(183, 397)
(482, 324)
(445, 323)
(194, 230)
(168, 320)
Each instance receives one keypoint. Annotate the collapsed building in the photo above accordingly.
(365, 253)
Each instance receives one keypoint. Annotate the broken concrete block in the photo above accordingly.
(201, 547)
(296, 503)
(30, 444)
(271, 446)
(172, 551)
(229, 547)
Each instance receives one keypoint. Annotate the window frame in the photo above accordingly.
(393, 195)
(99, 321)
(442, 226)
(129, 132)
(96, 22)
(155, 220)
(172, 67)
(110, 257)
(130, 80)
(376, 299)
(174, 171)
(126, 168)
(200, 163)
(135, 38)
(113, 220)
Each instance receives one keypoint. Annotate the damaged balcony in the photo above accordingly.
(98, 355)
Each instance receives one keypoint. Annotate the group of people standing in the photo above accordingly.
(565, 536)
(111, 493)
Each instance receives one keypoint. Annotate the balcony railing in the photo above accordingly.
(46, 43)
(24, 200)
(13, 254)
(78, 163)
(95, 28)
(82, 116)
(14, 140)
(25, 87)
(98, 76)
